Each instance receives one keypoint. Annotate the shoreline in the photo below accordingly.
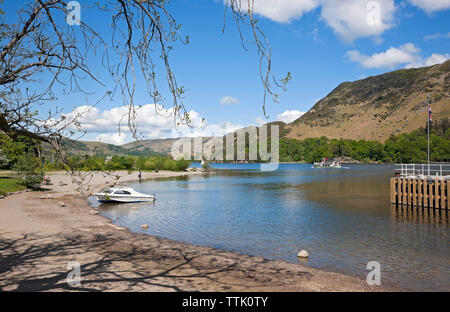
(39, 237)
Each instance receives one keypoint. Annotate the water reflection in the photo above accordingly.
(343, 218)
(419, 215)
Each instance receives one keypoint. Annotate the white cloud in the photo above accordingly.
(430, 6)
(437, 36)
(289, 116)
(391, 58)
(260, 121)
(352, 19)
(104, 125)
(113, 138)
(407, 54)
(228, 100)
(349, 19)
(281, 11)
(434, 59)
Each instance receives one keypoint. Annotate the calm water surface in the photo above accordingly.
(341, 216)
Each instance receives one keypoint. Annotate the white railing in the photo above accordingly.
(430, 170)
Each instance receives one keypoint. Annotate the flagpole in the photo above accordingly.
(428, 132)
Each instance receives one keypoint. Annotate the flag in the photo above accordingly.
(429, 112)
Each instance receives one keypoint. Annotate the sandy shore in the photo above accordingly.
(38, 238)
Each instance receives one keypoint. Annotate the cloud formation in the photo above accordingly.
(104, 125)
(407, 55)
(437, 36)
(352, 19)
(431, 6)
(282, 11)
(289, 116)
(228, 100)
(349, 19)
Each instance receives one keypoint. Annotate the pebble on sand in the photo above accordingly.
(93, 212)
(62, 204)
(303, 254)
(49, 196)
(144, 226)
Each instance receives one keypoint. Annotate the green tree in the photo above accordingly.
(29, 170)
(183, 164)
(4, 161)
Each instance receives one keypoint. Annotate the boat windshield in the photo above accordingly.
(106, 190)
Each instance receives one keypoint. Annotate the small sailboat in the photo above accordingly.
(122, 194)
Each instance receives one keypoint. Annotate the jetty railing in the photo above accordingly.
(434, 169)
(421, 185)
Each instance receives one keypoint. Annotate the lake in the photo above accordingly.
(342, 217)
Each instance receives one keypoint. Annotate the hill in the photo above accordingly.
(100, 148)
(378, 106)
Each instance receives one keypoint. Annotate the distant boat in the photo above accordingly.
(122, 194)
(325, 163)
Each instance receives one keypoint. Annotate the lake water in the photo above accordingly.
(342, 217)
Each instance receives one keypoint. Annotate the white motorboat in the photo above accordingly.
(325, 163)
(122, 194)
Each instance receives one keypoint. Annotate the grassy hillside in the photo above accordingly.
(99, 148)
(378, 106)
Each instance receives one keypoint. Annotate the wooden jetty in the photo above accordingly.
(421, 186)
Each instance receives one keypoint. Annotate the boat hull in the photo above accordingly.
(123, 199)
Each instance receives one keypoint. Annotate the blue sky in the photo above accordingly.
(321, 42)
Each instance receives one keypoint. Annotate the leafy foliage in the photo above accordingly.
(121, 162)
(403, 148)
(29, 171)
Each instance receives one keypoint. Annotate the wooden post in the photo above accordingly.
(437, 198)
(448, 194)
(443, 182)
(404, 199)
(425, 193)
(410, 192)
(430, 194)
(420, 195)
(393, 183)
(414, 194)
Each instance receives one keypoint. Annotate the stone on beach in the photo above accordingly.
(116, 227)
(49, 196)
(144, 226)
(93, 212)
(62, 204)
(43, 197)
(303, 254)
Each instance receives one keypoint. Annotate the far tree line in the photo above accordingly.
(402, 148)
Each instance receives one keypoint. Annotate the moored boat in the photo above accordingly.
(122, 194)
(325, 163)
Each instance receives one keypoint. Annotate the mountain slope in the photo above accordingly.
(161, 146)
(100, 148)
(375, 107)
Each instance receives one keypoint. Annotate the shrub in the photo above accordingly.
(29, 171)
(170, 164)
(150, 165)
(183, 164)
